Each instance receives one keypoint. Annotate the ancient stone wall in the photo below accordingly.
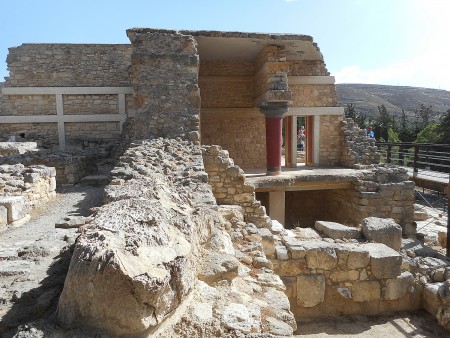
(70, 167)
(76, 65)
(328, 279)
(44, 134)
(21, 189)
(158, 258)
(320, 95)
(22, 105)
(308, 68)
(227, 93)
(228, 184)
(66, 65)
(331, 144)
(164, 73)
(358, 149)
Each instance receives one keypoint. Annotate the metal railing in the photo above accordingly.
(428, 159)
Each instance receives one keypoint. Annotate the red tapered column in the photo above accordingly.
(274, 142)
(274, 112)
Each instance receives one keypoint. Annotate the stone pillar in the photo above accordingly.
(274, 112)
(290, 141)
(277, 205)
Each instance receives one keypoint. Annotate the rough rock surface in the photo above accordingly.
(161, 246)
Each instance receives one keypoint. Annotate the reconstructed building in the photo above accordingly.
(188, 110)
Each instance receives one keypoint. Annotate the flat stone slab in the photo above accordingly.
(95, 180)
(336, 230)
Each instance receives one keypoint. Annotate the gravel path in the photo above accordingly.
(34, 257)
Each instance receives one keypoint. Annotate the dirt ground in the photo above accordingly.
(418, 324)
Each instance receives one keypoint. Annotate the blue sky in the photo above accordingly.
(395, 42)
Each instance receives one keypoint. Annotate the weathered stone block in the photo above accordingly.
(357, 256)
(383, 230)
(295, 247)
(432, 297)
(364, 291)
(291, 267)
(320, 255)
(18, 207)
(336, 230)
(236, 316)
(398, 287)
(384, 261)
(342, 276)
(3, 217)
(310, 290)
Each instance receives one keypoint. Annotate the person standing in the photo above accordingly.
(370, 133)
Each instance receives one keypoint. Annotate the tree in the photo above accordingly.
(350, 110)
(424, 115)
(382, 123)
(405, 132)
(444, 128)
(429, 134)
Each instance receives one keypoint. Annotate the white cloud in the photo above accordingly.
(428, 69)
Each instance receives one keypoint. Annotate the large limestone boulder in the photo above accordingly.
(136, 262)
(128, 272)
(383, 230)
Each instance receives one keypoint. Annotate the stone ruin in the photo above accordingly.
(186, 244)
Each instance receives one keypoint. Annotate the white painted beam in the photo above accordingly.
(310, 80)
(64, 118)
(314, 111)
(66, 90)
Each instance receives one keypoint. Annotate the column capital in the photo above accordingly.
(274, 108)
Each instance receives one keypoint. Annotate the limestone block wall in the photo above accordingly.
(164, 73)
(68, 65)
(331, 144)
(307, 68)
(329, 279)
(358, 149)
(85, 104)
(22, 188)
(22, 105)
(382, 192)
(44, 134)
(70, 166)
(271, 70)
(318, 95)
(227, 94)
(228, 184)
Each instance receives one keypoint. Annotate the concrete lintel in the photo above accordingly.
(310, 80)
(315, 111)
(66, 90)
(304, 186)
